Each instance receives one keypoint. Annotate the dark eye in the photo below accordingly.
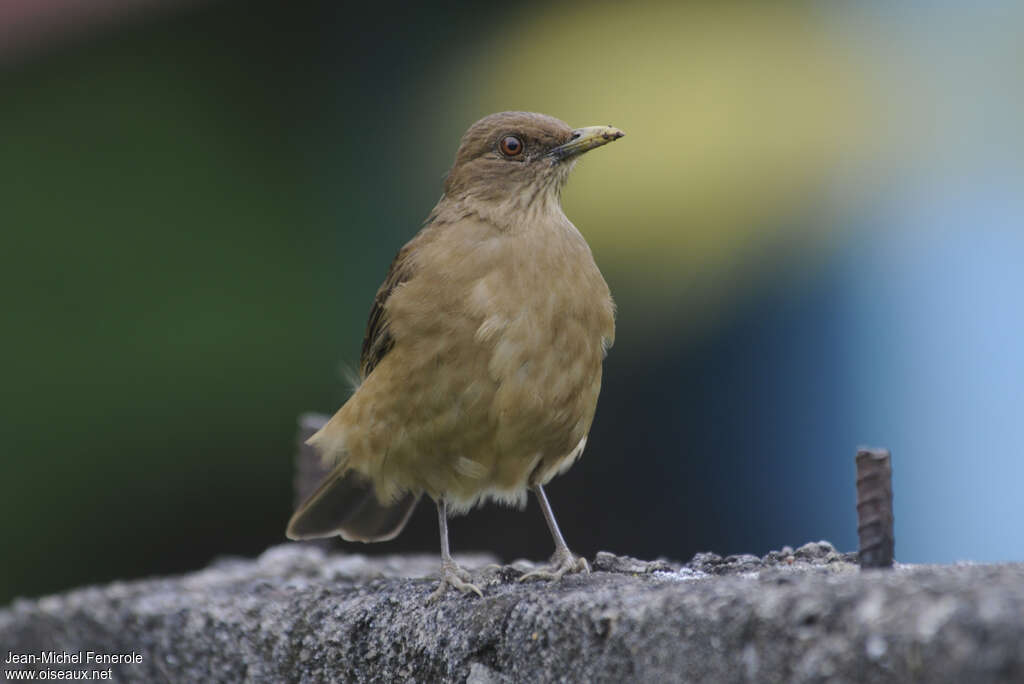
(511, 146)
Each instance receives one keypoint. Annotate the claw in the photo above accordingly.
(454, 576)
(562, 563)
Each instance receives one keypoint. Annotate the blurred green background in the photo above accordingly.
(813, 231)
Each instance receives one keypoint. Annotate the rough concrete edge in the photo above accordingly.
(299, 614)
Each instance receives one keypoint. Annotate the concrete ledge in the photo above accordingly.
(298, 614)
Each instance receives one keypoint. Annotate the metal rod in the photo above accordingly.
(874, 508)
(309, 467)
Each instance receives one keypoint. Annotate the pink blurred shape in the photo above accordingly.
(32, 27)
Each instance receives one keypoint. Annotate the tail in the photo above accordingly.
(346, 504)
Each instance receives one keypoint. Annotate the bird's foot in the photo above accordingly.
(454, 576)
(563, 562)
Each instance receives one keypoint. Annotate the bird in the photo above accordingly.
(482, 359)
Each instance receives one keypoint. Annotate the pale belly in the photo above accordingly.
(477, 420)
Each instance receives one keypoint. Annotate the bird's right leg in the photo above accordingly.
(451, 574)
(564, 561)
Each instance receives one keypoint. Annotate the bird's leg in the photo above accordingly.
(564, 560)
(451, 574)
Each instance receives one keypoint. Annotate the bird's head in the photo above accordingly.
(519, 161)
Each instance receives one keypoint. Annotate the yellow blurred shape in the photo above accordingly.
(735, 116)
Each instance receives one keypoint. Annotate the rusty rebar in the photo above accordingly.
(874, 508)
(309, 469)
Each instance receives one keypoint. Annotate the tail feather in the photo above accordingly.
(346, 504)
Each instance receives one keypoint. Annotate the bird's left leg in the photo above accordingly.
(564, 561)
(451, 574)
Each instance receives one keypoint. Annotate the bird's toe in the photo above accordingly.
(458, 578)
(562, 564)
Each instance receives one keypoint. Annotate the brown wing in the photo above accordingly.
(378, 341)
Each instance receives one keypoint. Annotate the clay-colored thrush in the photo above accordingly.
(481, 364)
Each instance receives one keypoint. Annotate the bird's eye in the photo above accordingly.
(511, 146)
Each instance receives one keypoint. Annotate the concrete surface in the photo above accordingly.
(298, 614)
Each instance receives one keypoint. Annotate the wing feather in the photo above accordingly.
(378, 341)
